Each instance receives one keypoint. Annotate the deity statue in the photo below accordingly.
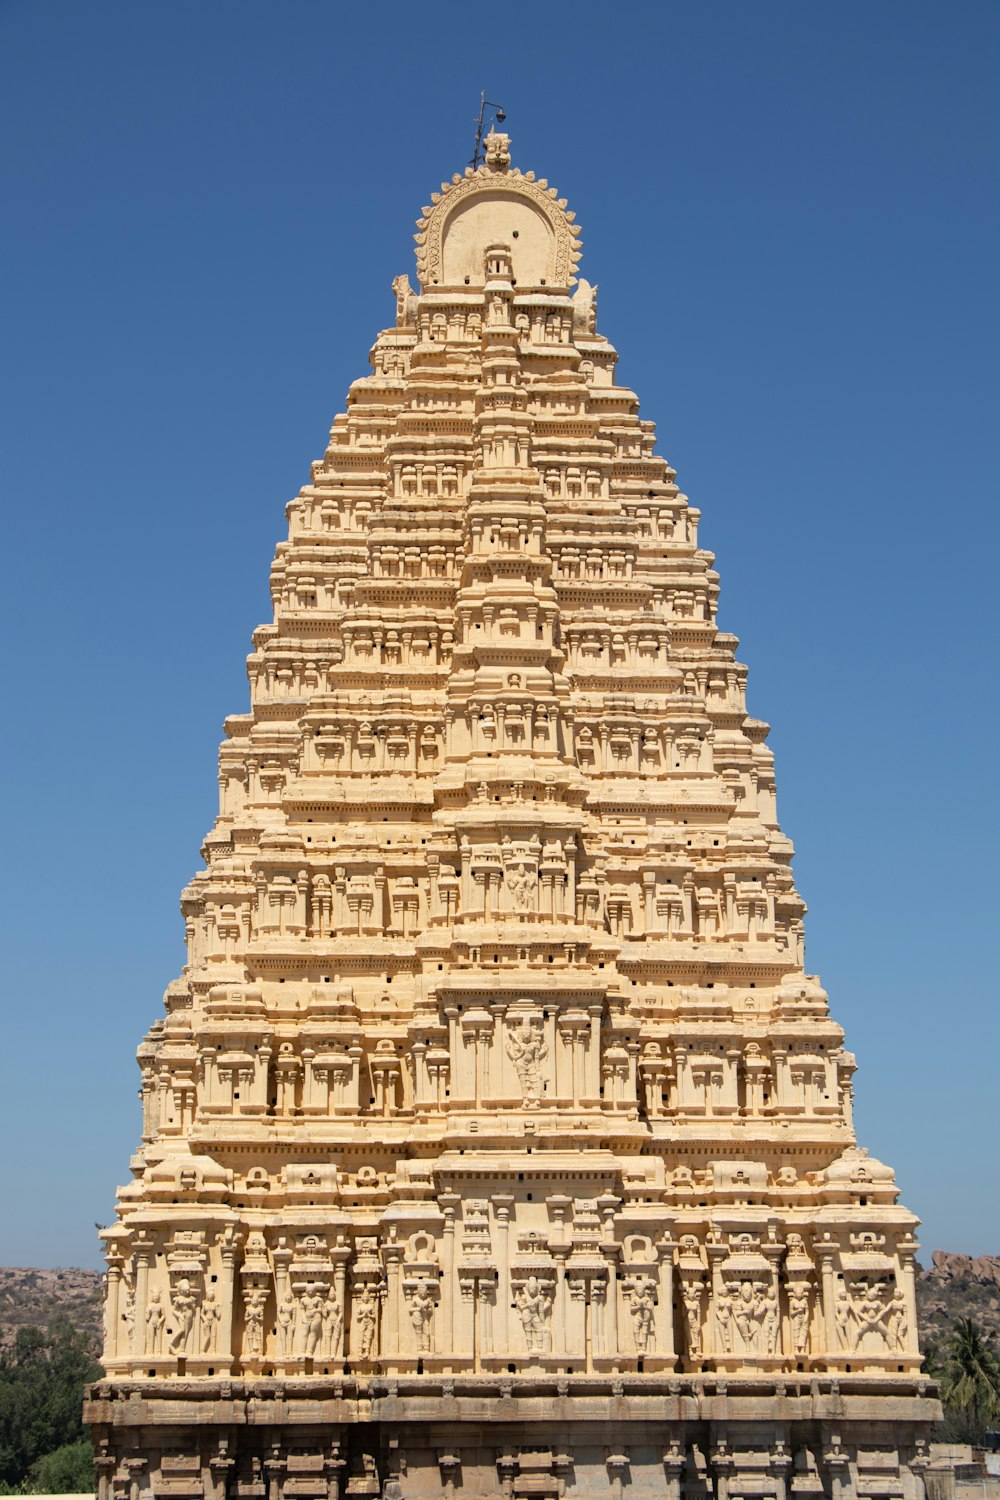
(255, 1300)
(798, 1316)
(692, 1293)
(518, 880)
(421, 1307)
(844, 1316)
(155, 1319)
(897, 1325)
(287, 1309)
(311, 1303)
(642, 1305)
(210, 1315)
(769, 1320)
(534, 1304)
(333, 1326)
(367, 1310)
(184, 1304)
(724, 1321)
(527, 1050)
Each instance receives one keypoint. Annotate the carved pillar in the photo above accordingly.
(145, 1257)
(229, 1242)
(449, 1204)
(665, 1295)
(392, 1255)
(503, 1203)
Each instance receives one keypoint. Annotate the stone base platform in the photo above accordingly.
(518, 1436)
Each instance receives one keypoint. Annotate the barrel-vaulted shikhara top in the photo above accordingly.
(495, 1140)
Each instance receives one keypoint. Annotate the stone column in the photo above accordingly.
(112, 1309)
(828, 1284)
(392, 1255)
(145, 1257)
(229, 1242)
(665, 1293)
(449, 1204)
(503, 1203)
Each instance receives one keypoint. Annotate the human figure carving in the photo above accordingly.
(129, 1310)
(311, 1300)
(692, 1311)
(519, 885)
(287, 1310)
(333, 1325)
(527, 1050)
(210, 1315)
(184, 1304)
(798, 1317)
(366, 1302)
(534, 1304)
(724, 1321)
(642, 1304)
(155, 1319)
(844, 1317)
(255, 1300)
(769, 1321)
(421, 1306)
(746, 1315)
(897, 1325)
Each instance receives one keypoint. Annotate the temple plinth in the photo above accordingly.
(494, 1138)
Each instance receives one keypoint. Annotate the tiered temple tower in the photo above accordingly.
(494, 1139)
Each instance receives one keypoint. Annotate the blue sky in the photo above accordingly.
(791, 211)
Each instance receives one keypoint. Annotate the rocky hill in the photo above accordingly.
(952, 1287)
(958, 1286)
(31, 1296)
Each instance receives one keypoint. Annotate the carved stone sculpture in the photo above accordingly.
(527, 1050)
(184, 1300)
(534, 1305)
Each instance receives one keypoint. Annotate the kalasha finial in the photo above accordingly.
(497, 151)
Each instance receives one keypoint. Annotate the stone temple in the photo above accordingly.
(495, 1142)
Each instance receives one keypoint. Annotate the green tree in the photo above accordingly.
(41, 1390)
(970, 1383)
(68, 1470)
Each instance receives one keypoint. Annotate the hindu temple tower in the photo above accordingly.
(495, 1142)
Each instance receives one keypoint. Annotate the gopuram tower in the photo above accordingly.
(495, 1142)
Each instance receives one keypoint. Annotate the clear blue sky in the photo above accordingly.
(791, 209)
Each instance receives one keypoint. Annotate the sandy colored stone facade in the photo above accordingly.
(495, 1141)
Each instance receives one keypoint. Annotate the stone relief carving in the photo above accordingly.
(184, 1301)
(406, 302)
(533, 1301)
(585, 307)
(746, 1316)
(871, 1317)
(692, 1293)
(210, 1315)
(640, 1294)
(254, 1304)
(366, 1315)
(155, 1320)
(420, 1298)
(527, 1050)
